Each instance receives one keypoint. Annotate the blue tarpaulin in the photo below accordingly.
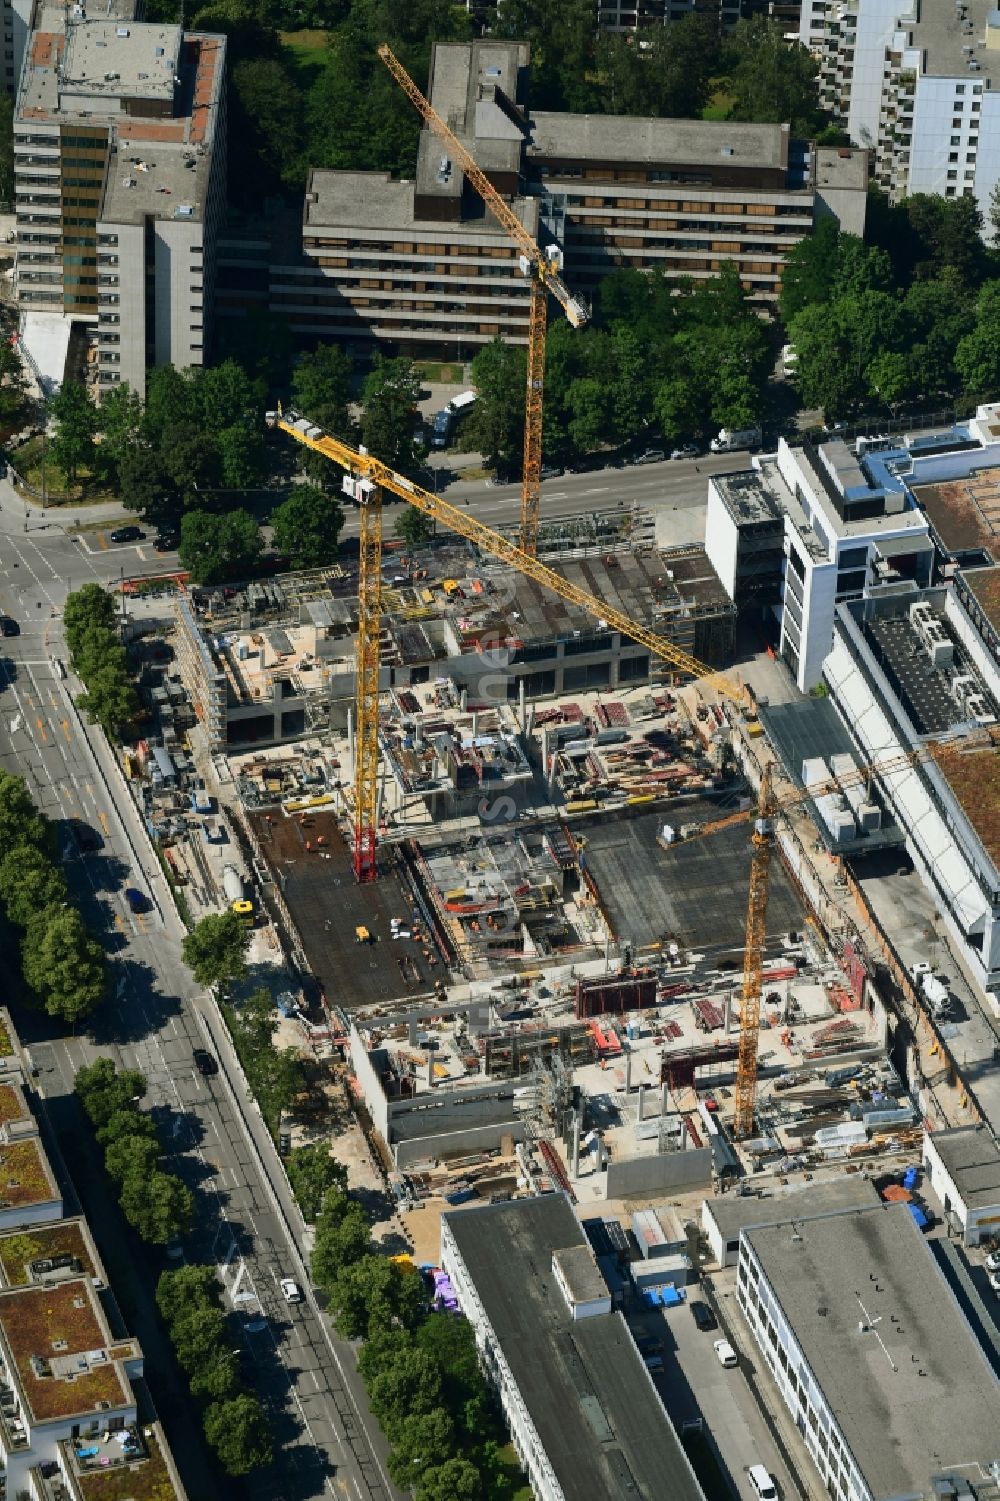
(919, 1218)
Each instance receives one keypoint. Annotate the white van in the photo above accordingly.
(762, 1484)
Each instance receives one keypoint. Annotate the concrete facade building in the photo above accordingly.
(964, 1170)
(916, 83)
(583, 1413)
(119, 160)
(806, 528)
(885, 1380)
(905, 667)
(421, 264)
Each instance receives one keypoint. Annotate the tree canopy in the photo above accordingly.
(215, 949)
(307, 527)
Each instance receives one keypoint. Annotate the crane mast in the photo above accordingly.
(542, 269)
(753, 957)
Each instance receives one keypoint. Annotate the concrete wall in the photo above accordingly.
(454, 1143)
(371, 1085)
(131, 289)
(721, 539)
(662, 1172)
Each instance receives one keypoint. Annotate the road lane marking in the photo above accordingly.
(41, 730)
(103, 820)
(65, 725)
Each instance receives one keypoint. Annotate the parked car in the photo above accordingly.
(763, 1485)
(205, 1063)
(127, 534)
(725, 1352)
(9, 627)
(703, 1315)
(995, 1281)
(650, 456)
(993, 1261)
(137, 900)
(686, 451)
(551, 471)
(85, 837)
(167, 542)
(290, 1290)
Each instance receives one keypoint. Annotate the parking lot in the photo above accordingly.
(694, 1385)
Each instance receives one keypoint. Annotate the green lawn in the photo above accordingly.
(439, 374)
(307, 52)
(88, 489)
(719, 104)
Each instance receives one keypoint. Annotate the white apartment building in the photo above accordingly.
(806, 528)
(919, 84)
(16, 27)
(871, 1354)
(119, 160)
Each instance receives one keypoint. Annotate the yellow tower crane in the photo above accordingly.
(762, 839)
(368, 478)
(542, 268)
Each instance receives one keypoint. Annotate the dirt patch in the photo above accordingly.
(966, 512)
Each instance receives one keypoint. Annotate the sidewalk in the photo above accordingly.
(15, 507)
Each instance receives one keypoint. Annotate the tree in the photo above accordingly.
(268, 116)
(307, 527)
(412, 1384)
(422, 1441)
(376, 1293)
(159, 1206)
(189, 1286)
(238, 1432)
(217, 547)
(20, 820)
(126, 1122)
(313, 1172)
(86, 609)
(389, 400)
(456, 1480)
(993, 214)
(29, 883)
(198, 1334)
(321, 386)
(415, 527)
(63, 964)
(772, 81)
(131, 1156)
(496, 423)
(593, 421)
(451, 1344)
(189, 461)
(217, 1379)
(110, 699)
(72, 443)
(277, 1077)
(810, 268)
(949, 234)
(103, 1090)
(342, 1238)
(119, 421)
(13, 386)
(145, 487)
(170, 401)
(214, 951)
(977, 357)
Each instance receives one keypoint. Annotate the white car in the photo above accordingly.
(290, 1290)
(725, 1352)
(993, 1261)
(995, 1281)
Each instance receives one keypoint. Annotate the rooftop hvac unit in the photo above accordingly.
(963, 687)
(920, 613)
(977, 709)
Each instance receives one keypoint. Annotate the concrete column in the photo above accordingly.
(642, 1101)
(464, 699)
(521, 698)
(545, 751)
(628, 1072)
(430, 1069)
(729, 1012)
(576, 1145)
(475, 725)
(663, 1099)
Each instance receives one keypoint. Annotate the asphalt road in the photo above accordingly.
(43, 559)
(326, 1443)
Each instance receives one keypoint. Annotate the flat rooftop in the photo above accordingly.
(694, 893)
(166, 180)
(734, 1212)
(590, 1398)
(139, 1473)
(942, 37)
(912, 1396)
(25, 1175)
(747, 498)
(64, 1356)
(122, 59)
(358, 200)
(965, 513)
(840, 167)
(925, 690)
(23, 1253)
(720, 144)
(971, 1157)
(985, 585)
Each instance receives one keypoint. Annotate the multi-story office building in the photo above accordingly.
(808, 527)
(643, 15)
(16, 27)
(119, 160)
(584, 1415)
(421, 264)
(917, 84)
(872, 1355)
